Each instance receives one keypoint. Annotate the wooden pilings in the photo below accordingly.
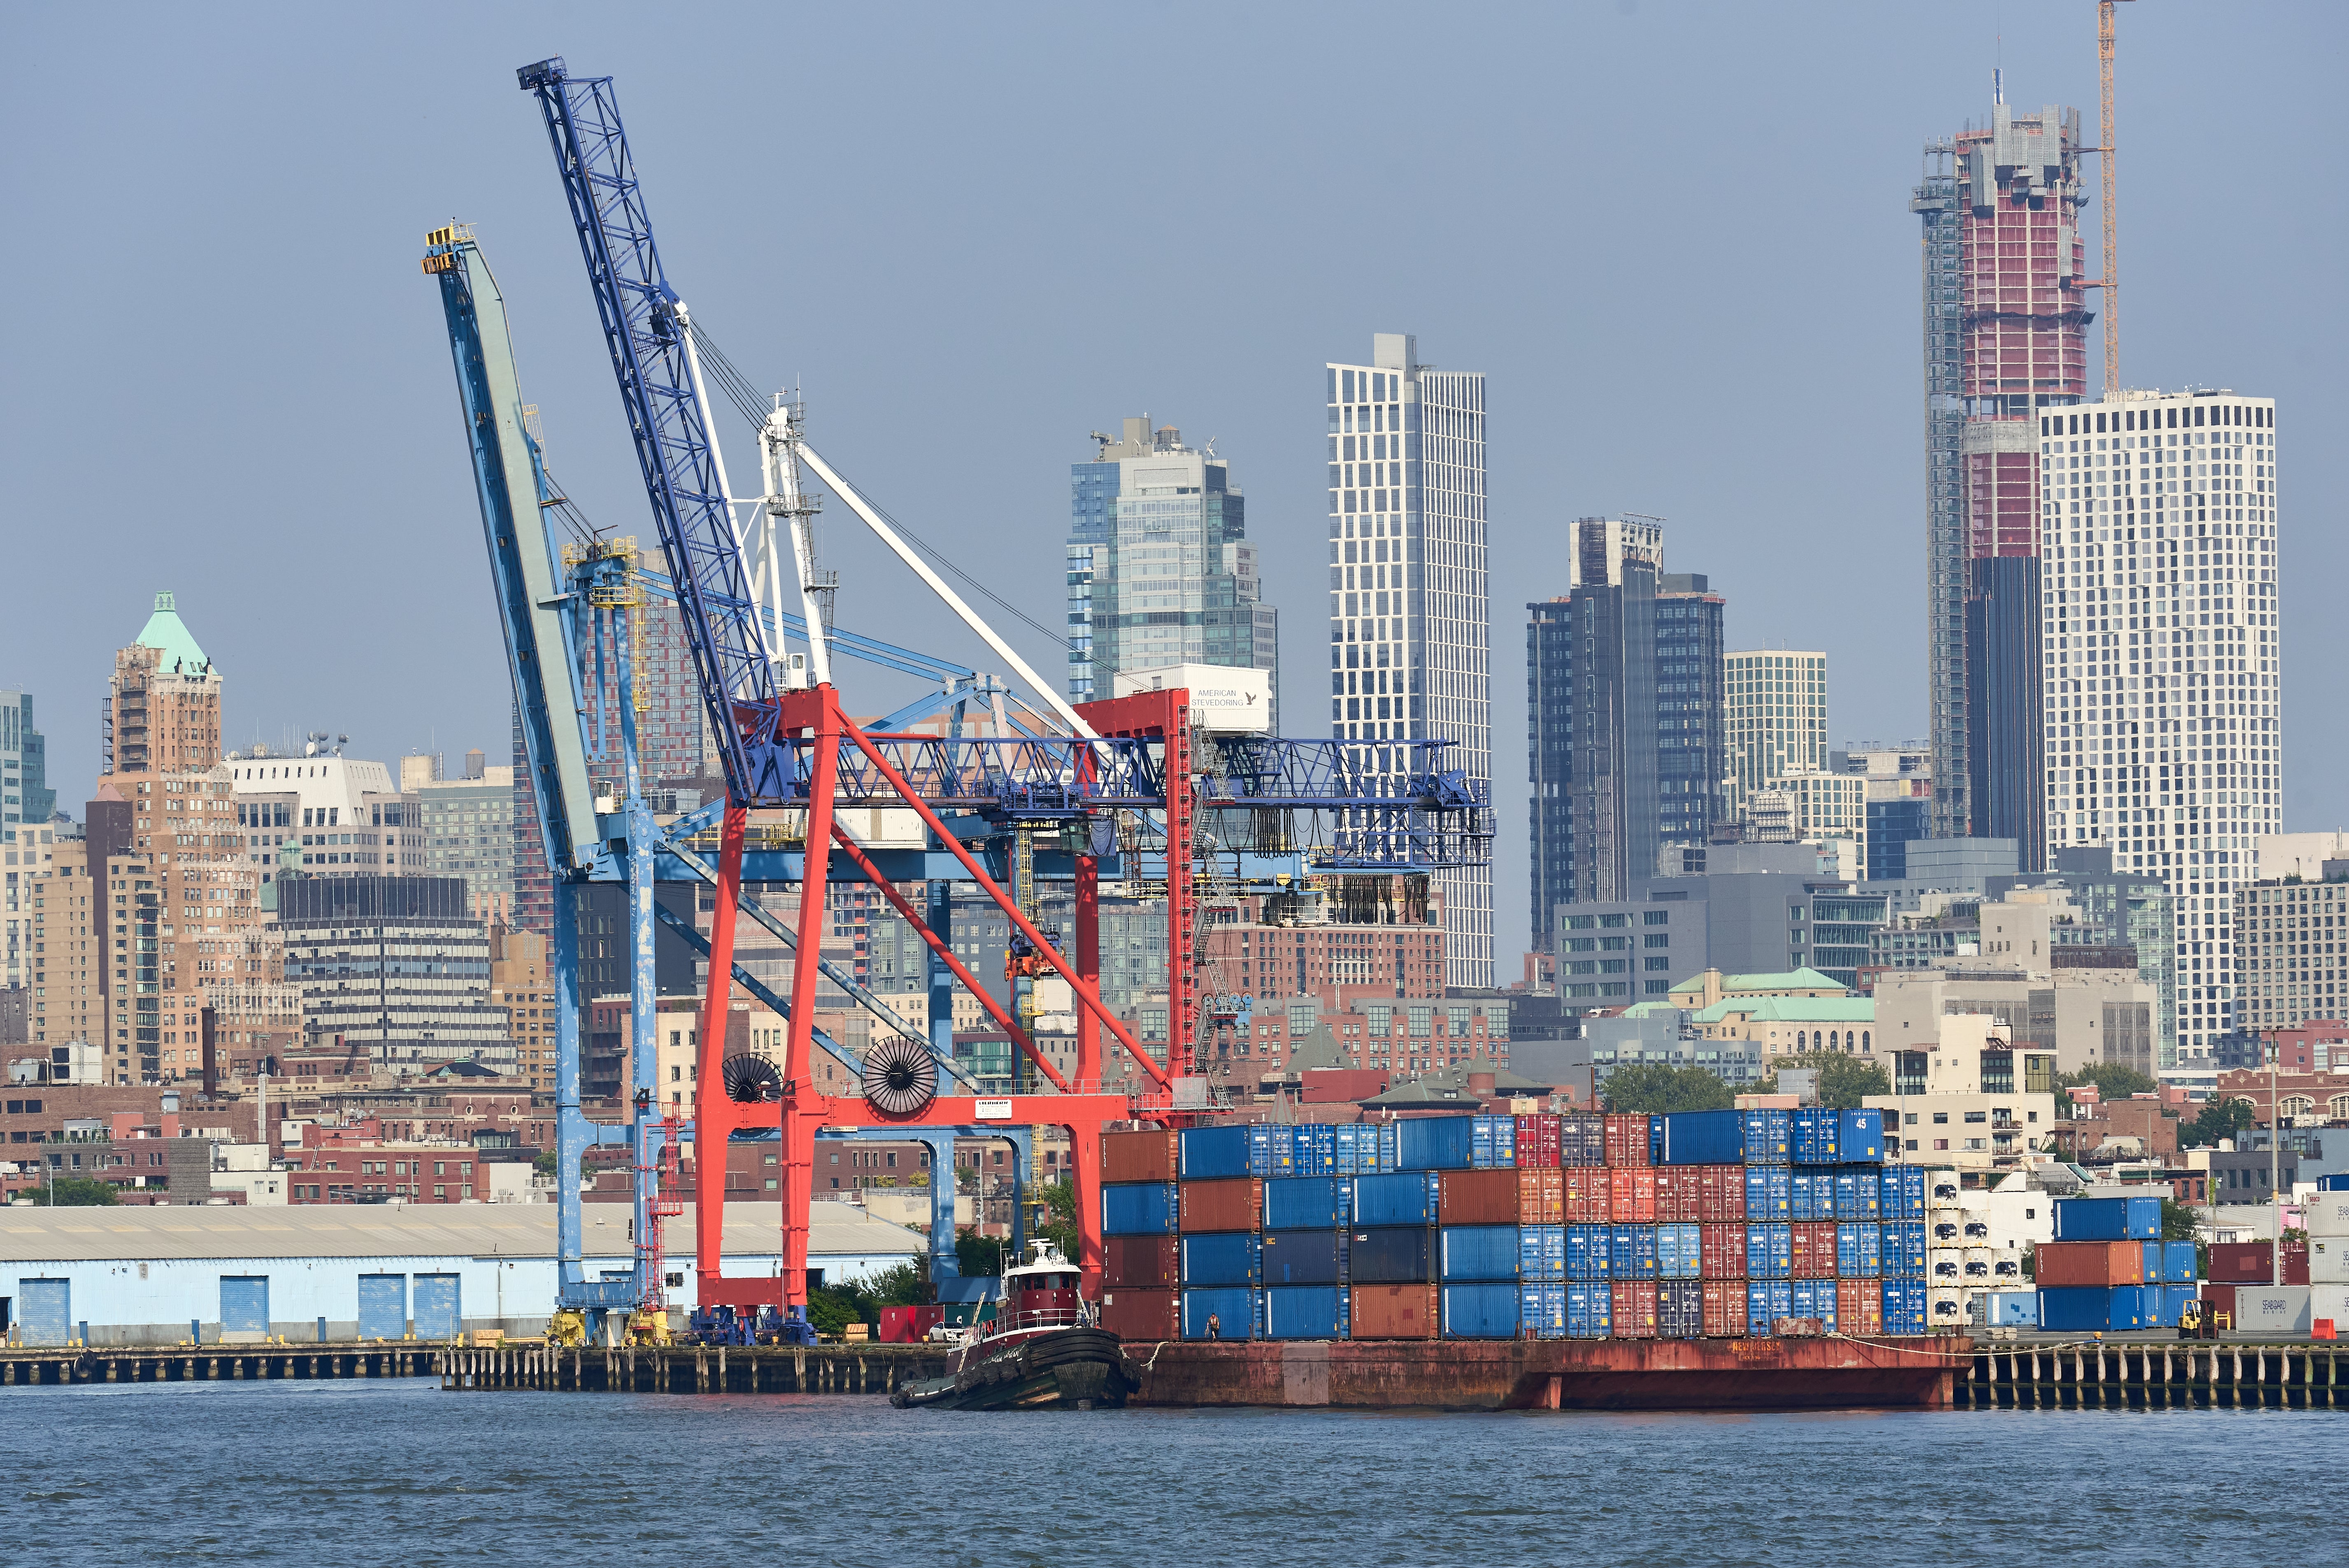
(691, 1369)
(2188, 1375)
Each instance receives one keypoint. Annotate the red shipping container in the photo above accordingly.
(1633, 1195)
(1724, 1309)
(1588, 1195)
(909, 1324)
(1859, 1306)
(1237, 1204)
(2250, 1264)
(1142, 1263)
(1541, 1196)
(1678, 1195)
(1723, 1194)
(1142, 1316)
(1814, 1250)
(1139, 1156)
(1721, 1252)
(2099, 1263)
(1396, 1312)
(1477, 1198)
(1537, 1141)
(1635, 1309)
(1627, 1139)
(2217, 1298)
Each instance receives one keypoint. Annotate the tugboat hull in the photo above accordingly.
(1066, 1369)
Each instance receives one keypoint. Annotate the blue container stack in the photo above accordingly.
(2169, 1270)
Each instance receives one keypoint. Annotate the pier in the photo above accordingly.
(643, 1368)
(2156, 1377)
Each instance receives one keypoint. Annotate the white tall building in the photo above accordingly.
(1778, 719)
(2163, 693)
(1410, 621)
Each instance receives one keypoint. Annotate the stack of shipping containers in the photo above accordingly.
(1713, 1224)
(2107, 1270)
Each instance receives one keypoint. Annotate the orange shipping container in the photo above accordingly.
(1589, 1190)
(1541, 1196)
(1138, 1156)
(1679, 1198)
(1633, 1195)
(1724, 1309)
(1396, 1312)
(2088, 1263)
(1237, 1204)
(1635, 1309)
(1478, 1197)
(1859, 1306)
(1814, 1250)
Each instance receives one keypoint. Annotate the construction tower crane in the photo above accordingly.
(2108, 136)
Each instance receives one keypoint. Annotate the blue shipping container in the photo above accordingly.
(2173, 1303)
(1433, 1143)
(1391, 1255)
(1309, 1202)
(1231, 1258)
(1479, 1251)
(2005, 1309)
(1904, 1192)
(1271, 1150)
(1859, 1251)
(1813, 1193)
(1480, 1312)
(1351, 1141)
(1317, 1150)
(1234, 1309)
(1305, 1311)
(1541, 1251)
(1769, 1251)
(1818, 1135)
(1678, 1252)
(1769, 1136)
(1767, 1301)
(1631, 1251)
(1589, 1253)
(1704, 1138)
(2091, 1309)
(1387, 1140)
(1904, 1306)
(1590, 1309)
(1862, 1136)
(1581, 1138)
(1396, 1198)
(1815, 1298)
(1541, 1309)
(1138, 1208)
(1493, 1143)
(1304, 1257)
(2180, 1264)
(2108, 1219)
(1904, 1250)
(1859, 1192)
(1769, 1191)
(1207, 1153)
(1655, 1140)
(1680, 1310)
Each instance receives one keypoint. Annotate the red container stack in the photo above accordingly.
(1234, 1204)
(1142, 1316)
(1722, 1252)
(1814, 1250)
(1142, 1263)
(1627, 1139)
(1635, 1309)
(1632, 1190)
(1679, 1196)
(2099, 1263)
(1720, 1194)
(1724, 1309)
(1859, 1306)
(1140, 1156)
(1588, 1195)
(1537, 1141)
(1396, 1312)
(2251, 1263)
(1478, 1197)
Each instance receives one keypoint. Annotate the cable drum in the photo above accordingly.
(751, 1080)
(900, 1076)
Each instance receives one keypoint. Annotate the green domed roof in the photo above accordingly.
(165, 630)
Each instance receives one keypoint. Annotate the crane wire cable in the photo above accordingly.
(753, 408)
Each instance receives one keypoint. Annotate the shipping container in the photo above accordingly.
(1679, 1254)
(1433, 1143)
(2327, 1212)
(2173, 1304)
(1631, 1198)
(1358, 1151)
(1210, 1153)
(1390, 1255)
(1767, 1301)
(1721, 1252)
(1581, 1138)
(1903, 1190)
(1724, 1309)
(2101, 1264)
(1537, 1145)
(1493, 1143)
(1680, 1194)
(1272, 1151)
(1135, 1156)
(1397, 1197)
(1305, 1257)
(1813, 1195)
(1631, 1252)
(1138, 1208)
(1143, 1317)
(1859, 1306)
(1859, 1192)
(2328, 1260)
(2273, 1310)
(1704, 1138)
(1467, 1252)
(2006, 1309)
(1818, 1137)
(1769, 1251)
(1480, 1312)
(1305, 1311)
(1541, 1194)
(1308, 1203)
(1223, 1313)
(1905, 1306)
(2253, 1264)
(1812, 1253)
(1769, 1193)
(1588, 1251)
(1234, 1204)
(1768, 1137)
(1720, 1194)
(1904, 1250)
(1861, 1135)
(1477, 1196)
(1590, 1309)
(1230, 1258)
(1541, 1252)
(2108, 1219)
(1815, 1299)
(1680, 1308)
(1315, 1149)
(1142, 1263)
(1859, 1251)
(1628, 1138)
(1635, 1309)
(1590, 1194)
(1394, 1312)
(1388, 1146)
(1541, 1309)
(2090, 1310)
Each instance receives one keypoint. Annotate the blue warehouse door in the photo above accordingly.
(244, 1304)
(383, 1306)
(439, 1306)
(46, 1309)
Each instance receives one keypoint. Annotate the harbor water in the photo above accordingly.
(368, 1472)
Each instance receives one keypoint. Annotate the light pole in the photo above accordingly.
(2275, 1165)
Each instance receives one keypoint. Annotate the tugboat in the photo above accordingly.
(1042, 1351)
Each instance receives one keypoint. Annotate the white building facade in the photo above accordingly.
(2164, 687)
(1410, 611)
(1778, 717)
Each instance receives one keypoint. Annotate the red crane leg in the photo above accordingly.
(799, 1131)
(712, 1115)
(1089, 1065)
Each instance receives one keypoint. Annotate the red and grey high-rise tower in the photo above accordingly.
(2006, 323)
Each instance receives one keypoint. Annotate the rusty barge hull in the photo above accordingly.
(1823, 1374)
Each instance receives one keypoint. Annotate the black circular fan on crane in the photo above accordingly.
(752, 1081)
(900, 1076)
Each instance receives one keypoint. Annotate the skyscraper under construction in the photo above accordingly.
(2006, 322)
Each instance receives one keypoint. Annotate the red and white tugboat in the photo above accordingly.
(1044, 1350)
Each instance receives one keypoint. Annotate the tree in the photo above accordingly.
(2113, 1082)
(1844, 1081)
(548, 1164)
(978, 1256)
(2177, 1222)
(74, 1192)
(2219, 1118)
(1061, 1228)
(1662, 1088)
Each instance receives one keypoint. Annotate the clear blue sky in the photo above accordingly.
(1674, 237)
